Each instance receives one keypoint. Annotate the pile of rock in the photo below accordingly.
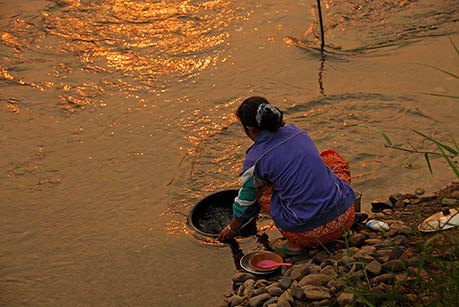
(366, 264)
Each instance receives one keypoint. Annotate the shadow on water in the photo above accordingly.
(321, 74)
(237, 252)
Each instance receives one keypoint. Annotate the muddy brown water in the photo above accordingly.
(116, 117)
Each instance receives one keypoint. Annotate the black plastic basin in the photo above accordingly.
(210, 215)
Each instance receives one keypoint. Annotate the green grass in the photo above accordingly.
(449, 152)
(436, 283)
(433, 283)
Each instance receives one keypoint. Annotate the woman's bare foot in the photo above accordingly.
(286, 247)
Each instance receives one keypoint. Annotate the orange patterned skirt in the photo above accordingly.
(330, 231)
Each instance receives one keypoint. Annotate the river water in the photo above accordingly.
(116, 117)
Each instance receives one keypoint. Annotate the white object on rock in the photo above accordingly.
(443, 220)
(377, 225)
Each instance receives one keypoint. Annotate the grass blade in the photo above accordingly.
(450, 162)
(426, 156)
(386, 137)
(454, 46)
(455, 144)
(443, 71)
(451, 150)
(441, 95)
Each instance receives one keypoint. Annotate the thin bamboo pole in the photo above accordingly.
(322, 39)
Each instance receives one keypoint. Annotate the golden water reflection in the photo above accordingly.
(146, 38)
(151, 44)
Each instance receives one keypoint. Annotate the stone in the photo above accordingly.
(316, 292)
(345, 298)
(282, 304)
(387, 211)
(370, 233)
(419, 191)
(314, 269)
(258, 300)
(406, 202)
(395, 197)
(329, 261)
(455, 194)
(228, 294)
(413, 261)
(357, 239)
(386, 243)
(395, 265)
(225, 303)
(341, 244)
(285, 282)
(236, 300)
(378, 205)
(240, 291)
(355, 276)
(380, 288)
(273, 284)
(366, 253)
(427, 198)
(402, 278)
(320, 257)
(242, 276)
(285, 299)
(378, 216)
(374, 268)
(408, 253)
(406, 230)
(342, 270)
(322, 303)
(372, 241)
(258, 291)
(248, 292)
(271, 302)
(384, 278)
(397, 252)
(328, 270)
(347, 260)
(315, 280)
(419, 273)
(260, 283)
(449, 201)
(400, 240)
(275, 291)
(249, 283)
(298, 271)
(384, 253)
(297, 292)
(334, 285)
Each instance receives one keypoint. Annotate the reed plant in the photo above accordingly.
(449, 152)
(436, 281)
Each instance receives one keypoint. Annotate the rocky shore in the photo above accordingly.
(367, 268)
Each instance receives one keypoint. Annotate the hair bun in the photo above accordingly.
(257, 112)
(268, 112)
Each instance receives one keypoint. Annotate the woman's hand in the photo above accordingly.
(230, 231)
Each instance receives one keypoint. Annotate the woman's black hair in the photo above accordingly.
(257, 112)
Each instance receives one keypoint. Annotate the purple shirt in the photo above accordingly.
(306, 193)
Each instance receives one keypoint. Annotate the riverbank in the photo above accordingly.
(400, 267)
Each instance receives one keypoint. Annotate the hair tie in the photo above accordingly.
(263, 109)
